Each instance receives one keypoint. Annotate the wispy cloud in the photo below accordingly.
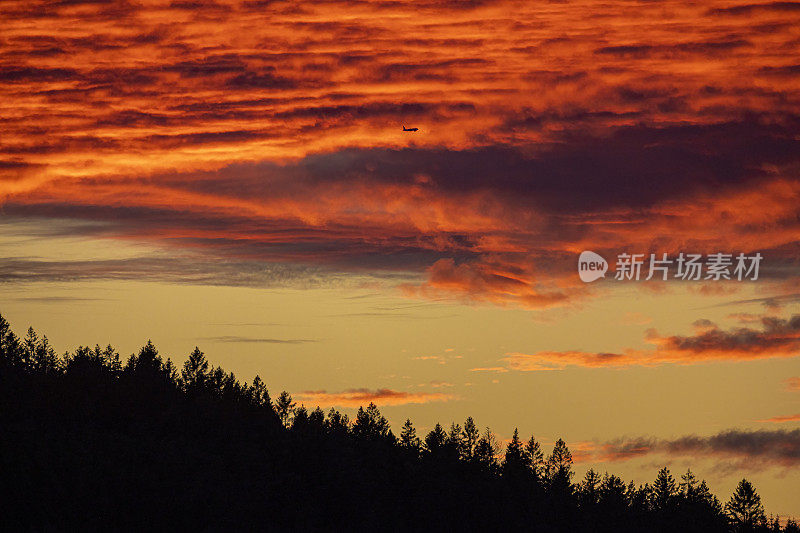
(792, 383)
(55, 299)
(361, 397)
(748, 448)
(771, 302)
(186, 268)
(495, 369)
(256, 340)
(782, 419)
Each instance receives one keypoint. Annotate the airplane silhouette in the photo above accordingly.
(410, 129)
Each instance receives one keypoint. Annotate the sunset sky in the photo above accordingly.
(234, 176)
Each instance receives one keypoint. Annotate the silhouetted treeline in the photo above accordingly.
(91, 442)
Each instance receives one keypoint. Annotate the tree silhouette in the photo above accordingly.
(195, 373)
(259, 395)
(408, 438)
(589, 489)
(745, 508)
(29, 347)
(435, 441)
(454, 442)
(284, 407)
(39, 354)
(613, 495)
(90, 443)
(664, 490)
(370, 425)
(470, 436)
(337, 424)
(486, 451)
(537, 464)
(300, 421)
(110, 358)
(516, 463)
(559, 467)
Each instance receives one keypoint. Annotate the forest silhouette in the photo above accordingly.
(92, 442)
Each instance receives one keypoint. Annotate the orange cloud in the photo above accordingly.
(776, 338)
(781, 419)
(360, 397)
(745, 318)
(250, 132)
(483, 282)
(583, 451)
(495, 369)
(625, 449)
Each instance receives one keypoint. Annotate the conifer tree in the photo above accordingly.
(745, 508)
(284, 407)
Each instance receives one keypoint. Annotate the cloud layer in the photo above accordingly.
(270, 132)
